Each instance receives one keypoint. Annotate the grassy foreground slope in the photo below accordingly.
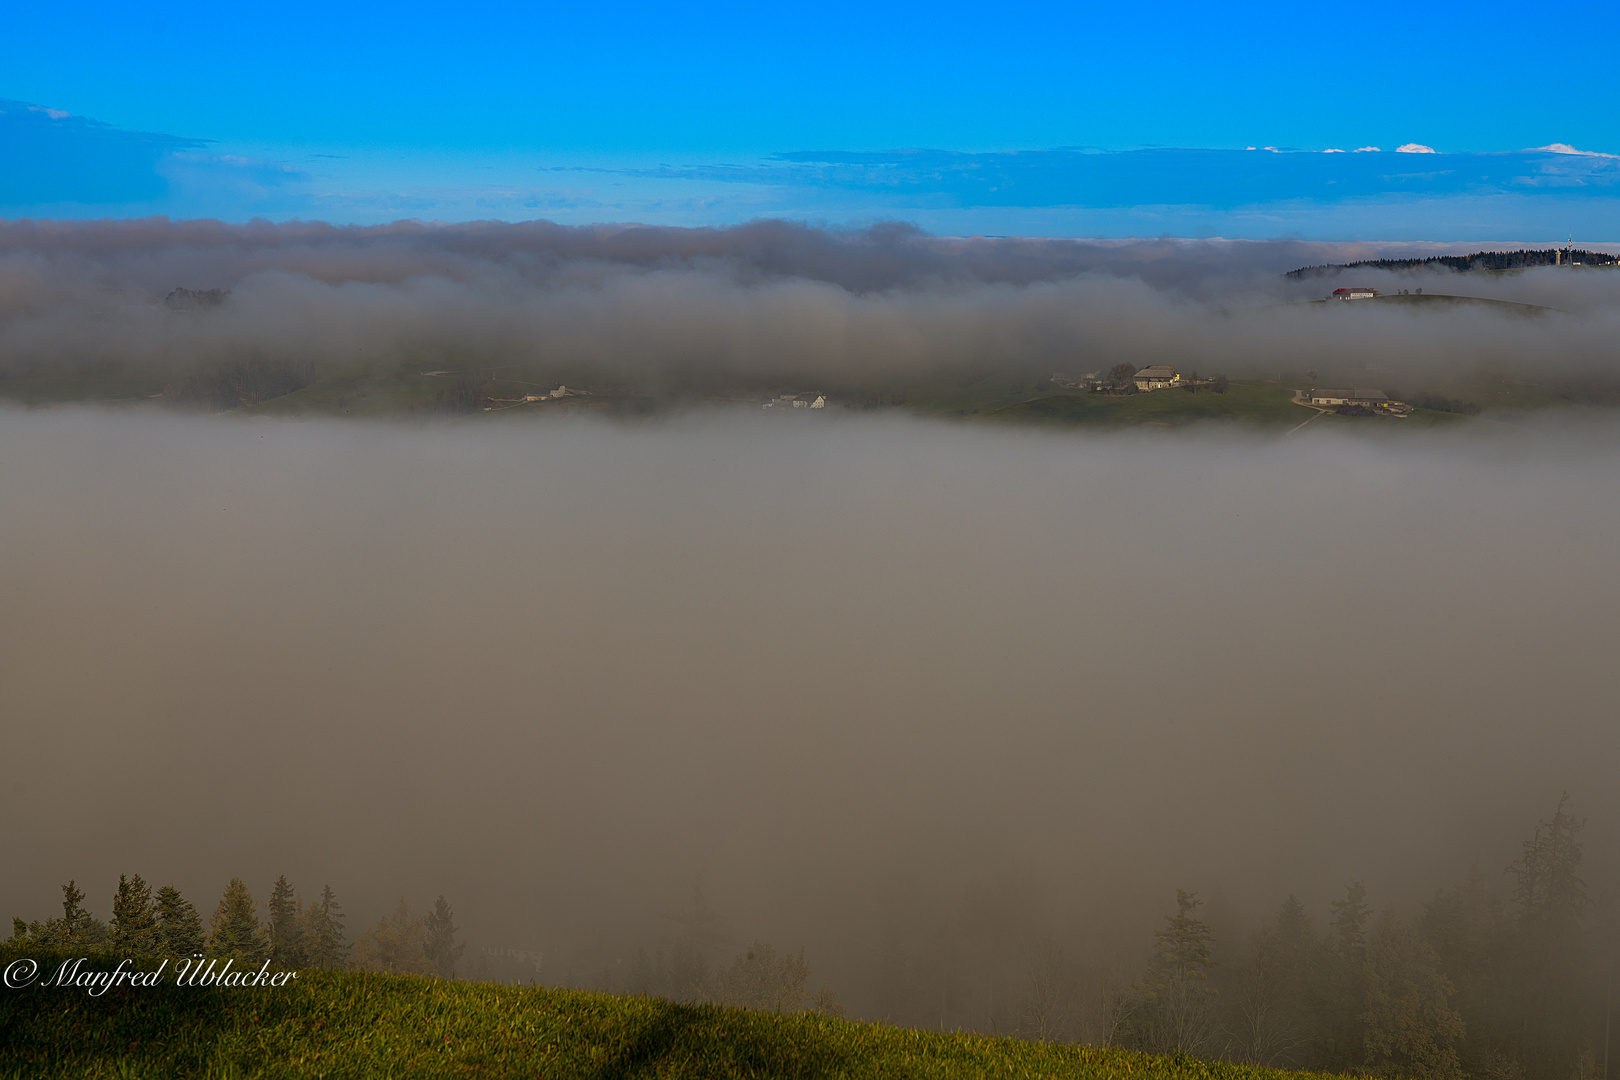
(348, 1025)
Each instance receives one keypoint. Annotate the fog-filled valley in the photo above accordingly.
(936, 705)
(454, 576)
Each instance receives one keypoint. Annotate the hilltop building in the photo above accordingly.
(1344, 395)
(1354, 294)
(797, 401)
(1157, 377)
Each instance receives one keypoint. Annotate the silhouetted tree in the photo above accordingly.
(326, 945)
(179, 926)
(74, 917)
(286, 928)
(1409, 1026)
(235, 931)
(134, 921)
(1344, 981)
(1551, 964)
(1173, 1007)
(442, 950)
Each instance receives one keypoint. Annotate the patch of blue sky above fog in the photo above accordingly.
(1062, 120)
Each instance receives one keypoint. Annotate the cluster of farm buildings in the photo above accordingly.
(1152, 377)
(797, 401)
(1376, 400)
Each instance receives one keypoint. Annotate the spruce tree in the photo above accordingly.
(325, 944)
(1177, 1012)
(1345, 996)
(1552, 961)
(286, 929)
(75, 920)
(441, 947)
(179, 926)
(235, 931)
(134, 924)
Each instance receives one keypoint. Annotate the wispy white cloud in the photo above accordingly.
(1565, 148)
(1333, 151)
(1415, 148)
(1368, 150)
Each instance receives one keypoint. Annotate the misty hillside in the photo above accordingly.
(376, 1025)
(1479, 260)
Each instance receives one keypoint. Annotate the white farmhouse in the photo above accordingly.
(1157, 377)
(1345, 395)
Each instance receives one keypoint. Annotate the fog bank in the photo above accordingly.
(859, 678)
(763, 301)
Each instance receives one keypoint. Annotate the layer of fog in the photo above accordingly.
(862, 678)
(764, 301)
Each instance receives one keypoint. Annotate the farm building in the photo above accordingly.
(1157, 377)
(797, 401)
(1354, 294)
(1344, 395)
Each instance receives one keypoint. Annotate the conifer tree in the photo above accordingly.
(134, 923)
(1552, 961)
(442, 950)
(326, 946)
(1410, 1027)
(1344, 996)
(179, 926)
(75, 919)
(235, 931)
(1350, 922)
(1174, 1007)
(286, 928)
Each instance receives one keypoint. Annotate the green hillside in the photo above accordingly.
(1267, 404)
(351, 1025)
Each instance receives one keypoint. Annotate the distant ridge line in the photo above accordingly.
(1479, 260)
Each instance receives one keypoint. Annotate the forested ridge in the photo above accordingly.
(1479, 260)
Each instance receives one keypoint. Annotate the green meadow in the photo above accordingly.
(1255, 402)
(329, 1024)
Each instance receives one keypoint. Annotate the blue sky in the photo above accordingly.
(1056, 119)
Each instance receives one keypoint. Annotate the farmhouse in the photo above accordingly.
(1345, 395)
(797, 401)
(1354, 294)
(1157, 377)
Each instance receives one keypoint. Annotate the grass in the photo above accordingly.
(365, 395)
(98, 383)
(974, 397)
(1254, 402)
(353, 1025)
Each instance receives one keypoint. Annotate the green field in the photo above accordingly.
(352, 1025)
(1254, 402)
(363, 395)
(1440, 301)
